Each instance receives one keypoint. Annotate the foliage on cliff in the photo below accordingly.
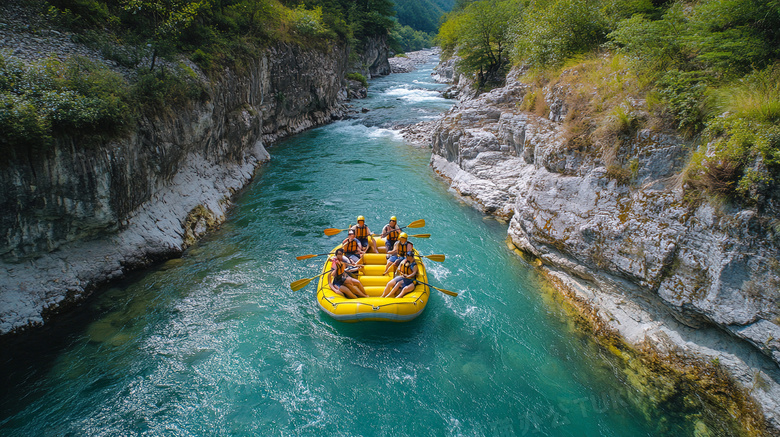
(708, 69)
(150, 40)
(217, 33)
(51, 98)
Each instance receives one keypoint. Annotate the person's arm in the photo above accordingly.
(348, 261)
(330, 282)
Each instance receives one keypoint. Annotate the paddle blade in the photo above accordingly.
(437, 258)
(332, 231)
(300, 283)
(451, 293)
(417, 224)
(421, 235)
(305, 256)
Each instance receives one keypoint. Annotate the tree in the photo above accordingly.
(165, 20)
(552, 31)
(480, 35)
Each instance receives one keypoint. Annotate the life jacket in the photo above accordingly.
(350, 246)
(407, 267)
(361, 231)
(393, 234)
(403, 248)
(340, 267)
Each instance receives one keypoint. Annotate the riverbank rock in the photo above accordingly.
(663, 273)
(409, 61)
(445, 71)
(400, 64)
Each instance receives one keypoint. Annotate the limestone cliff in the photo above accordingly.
(371, 58)
(81, 216)
(666, 274)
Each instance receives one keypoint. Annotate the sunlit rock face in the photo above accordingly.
(658, 269)
(82, 215)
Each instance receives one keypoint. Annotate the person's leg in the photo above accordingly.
(395, 289)
(391, 264)
(389, 287)
(347, 292)
(356, 287)
(407, 289)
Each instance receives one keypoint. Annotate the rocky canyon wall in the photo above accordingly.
(693, 280)
(83, 215)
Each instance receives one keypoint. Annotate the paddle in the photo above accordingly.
(415, 224)
(437, 258)
(300, 283)
(333, 231)
(414, 235)
(310, 256)
(451, 293)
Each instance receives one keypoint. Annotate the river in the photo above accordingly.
(216, 343)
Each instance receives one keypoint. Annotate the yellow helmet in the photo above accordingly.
(360, 217)
(403, 235)
(393, 219)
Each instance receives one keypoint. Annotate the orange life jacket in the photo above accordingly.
(403, 248)
(361, 231)
(407, 267)
(392, 235)
(350, 246)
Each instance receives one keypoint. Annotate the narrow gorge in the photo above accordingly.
(624, 302)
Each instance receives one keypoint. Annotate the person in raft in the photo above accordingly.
(363, 235)
(353, 249)
(396, 255)
(407, 272)
(339, 281)
(390, 233)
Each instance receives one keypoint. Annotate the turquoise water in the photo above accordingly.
(215, 343)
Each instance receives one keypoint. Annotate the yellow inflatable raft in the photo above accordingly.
(374, 307)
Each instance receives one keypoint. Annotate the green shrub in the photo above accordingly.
(307, 22)
(79, 12)
(203, 59)
(23, 126)
(164, 89)
(358, 77)
(654, 46)
(552, 31)
(741, 160)
(50, 99)
(684, 95)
